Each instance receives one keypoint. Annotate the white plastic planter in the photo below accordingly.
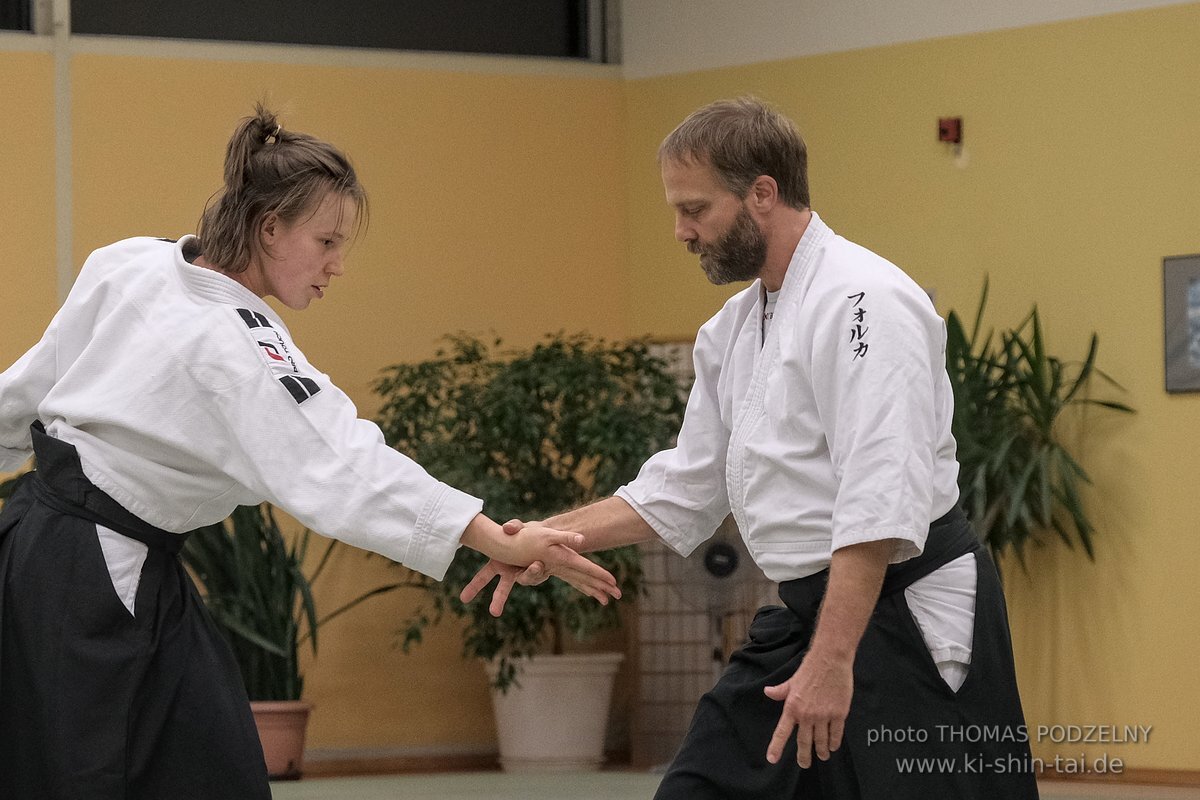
(555, 720)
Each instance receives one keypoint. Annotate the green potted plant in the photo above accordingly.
(1017, 478)
(254, 585)
(532, 432)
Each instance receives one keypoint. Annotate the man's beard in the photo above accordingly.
(738, 255)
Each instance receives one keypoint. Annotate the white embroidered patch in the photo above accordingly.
(274, 350)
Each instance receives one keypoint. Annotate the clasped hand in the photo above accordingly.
(556, 558)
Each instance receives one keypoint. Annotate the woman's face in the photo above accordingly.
(298, 260)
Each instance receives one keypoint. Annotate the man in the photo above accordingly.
(820, 417)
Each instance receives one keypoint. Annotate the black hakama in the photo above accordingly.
(908, 735)
(96, 703)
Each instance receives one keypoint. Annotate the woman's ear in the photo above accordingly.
(269, 229)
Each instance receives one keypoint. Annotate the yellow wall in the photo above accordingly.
(1082, 168)
(491, 195)
(28, 286)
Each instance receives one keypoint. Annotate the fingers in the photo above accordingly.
(804, 745)
(779, 692)
(503, 589)
(548, 536)
(822, 735)
(567, 559)
(477, 584)
(779, 738)
(836, 728)
(533, 575)
(565, 538)
(818, 734)
(586, 576)
(806, 733)
(560, 560)
(599, 591)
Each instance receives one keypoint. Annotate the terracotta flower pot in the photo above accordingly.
(281, 728)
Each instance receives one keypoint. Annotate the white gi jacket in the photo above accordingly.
(185, 397)
(832, 432)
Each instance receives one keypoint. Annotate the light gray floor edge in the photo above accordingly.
(609, 785)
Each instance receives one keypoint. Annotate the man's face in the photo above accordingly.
(714, 223)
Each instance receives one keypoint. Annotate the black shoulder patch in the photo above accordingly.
(299, 387)
(253, 319)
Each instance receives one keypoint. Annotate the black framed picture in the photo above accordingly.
(1181, 322)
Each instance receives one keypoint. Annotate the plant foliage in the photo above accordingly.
(257, 592)
(532, 433)
(1016, 477)
(7, 486)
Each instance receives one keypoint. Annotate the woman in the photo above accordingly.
(170, 393)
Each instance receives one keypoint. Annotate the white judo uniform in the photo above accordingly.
(826, 427)
(185, 396)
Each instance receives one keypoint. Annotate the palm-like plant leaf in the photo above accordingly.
(1016, 476)
(255, 587)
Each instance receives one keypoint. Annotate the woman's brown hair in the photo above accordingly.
(271, 170)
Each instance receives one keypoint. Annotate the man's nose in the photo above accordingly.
(684, 232)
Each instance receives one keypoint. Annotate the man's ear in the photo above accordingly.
(764, 193)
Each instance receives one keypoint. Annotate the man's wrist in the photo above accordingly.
(834, 653)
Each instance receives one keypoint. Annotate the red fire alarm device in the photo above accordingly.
(950, 130)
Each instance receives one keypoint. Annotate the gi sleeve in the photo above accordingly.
(23, 386)
(877, 349)
(298, 441)
(681, 492)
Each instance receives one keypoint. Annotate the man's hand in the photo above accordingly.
(547, 553)
(816, 701)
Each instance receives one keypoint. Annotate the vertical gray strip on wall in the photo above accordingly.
(60, 17)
